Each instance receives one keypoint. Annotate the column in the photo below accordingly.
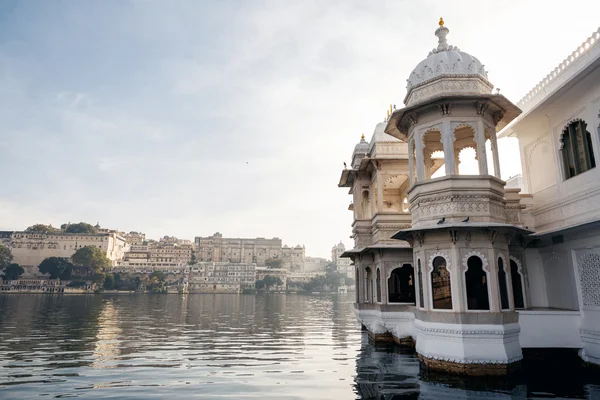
(493, 283)
(449, 156)
(480, 141)
(379, 179)
(496, 157)
(456, 161)
(411, 162)
(419, 157)
(427, 162)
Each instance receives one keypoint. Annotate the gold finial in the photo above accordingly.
(387, 112)
(362, 136)
(441, 21)
(391, 109)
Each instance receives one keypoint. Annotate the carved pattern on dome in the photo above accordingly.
(451, 84)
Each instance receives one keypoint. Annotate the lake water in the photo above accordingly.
(227, 346)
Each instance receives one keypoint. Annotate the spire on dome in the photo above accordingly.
(441, 33)
(362, 137)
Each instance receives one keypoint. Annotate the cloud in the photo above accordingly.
(193, 117)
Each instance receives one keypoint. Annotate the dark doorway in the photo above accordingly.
(401, 285)
(502, 285)
(517, 285)
(477, 288)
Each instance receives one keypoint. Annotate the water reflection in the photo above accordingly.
(225, 346)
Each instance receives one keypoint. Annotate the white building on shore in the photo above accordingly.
(469, 270)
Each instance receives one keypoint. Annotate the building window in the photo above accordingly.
(502, 285)
(517, 285)
(420, 272)
(576, 149)
(401, 287)
(440, 285)
(477, 288)
(378, 285)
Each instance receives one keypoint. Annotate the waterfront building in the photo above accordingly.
(221, 277)
(30, 249)
(343, 265)
(467, 269)
(168, 254)
(216, 248)
(134, 237)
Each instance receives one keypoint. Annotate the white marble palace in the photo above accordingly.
(467, 270)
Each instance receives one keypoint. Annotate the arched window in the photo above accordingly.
(576, 149)
(401, 285)
(421, 301)
(378, 285)
(517, 285)
(502, 285)
(440, 285)
(477, 288)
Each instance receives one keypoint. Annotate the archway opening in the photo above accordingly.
(420, 272)
(477, 288)
(502, 285)
(368, 285)
(517, 285)
(433, 154)
(401, 286)
(378, 285)
(467, 162)
(356, 287)
(440, 285)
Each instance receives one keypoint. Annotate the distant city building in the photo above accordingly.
(30, 249)
(216, 248)
(342, 265)
(312, 264)
(220, 277)
(134, 237)
(281, 273)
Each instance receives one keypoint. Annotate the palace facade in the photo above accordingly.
(467, 269)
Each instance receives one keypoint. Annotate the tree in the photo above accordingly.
(57, 267)
(273, 263)
(193, 259)
(270, 280)
(41, 228)
(81, 227)
(109, 281)
(12, 272)
(92, 258)
(157, 276)
(5, 257)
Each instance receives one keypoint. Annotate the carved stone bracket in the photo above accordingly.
(509, 237)
(419, 237)
(413, 118)
(445, 109)
(492, 235)
(468, 239)
(481, 107)
(453, 235)
(497, 116)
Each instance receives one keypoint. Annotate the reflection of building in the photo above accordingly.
(30, 249)
(451, 260)
(343, 265)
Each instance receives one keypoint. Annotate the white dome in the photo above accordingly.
(379, 135)
(449, 62)
(360, 151)
(446, 71)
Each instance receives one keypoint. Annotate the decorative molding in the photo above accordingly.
(439, 254)
(484, 262)
(588, 265)
(453, 235)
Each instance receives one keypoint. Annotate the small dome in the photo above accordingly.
(465, 73)
(379, 135)
(360, 151)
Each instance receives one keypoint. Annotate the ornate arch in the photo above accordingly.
(400, 264)
(438, 254)
(519, 265)
(503, 257)
(484, 261)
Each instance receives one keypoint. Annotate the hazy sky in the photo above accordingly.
(190, 117)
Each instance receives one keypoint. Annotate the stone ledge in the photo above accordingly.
(479, 369)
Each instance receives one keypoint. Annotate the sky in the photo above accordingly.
(187, 118)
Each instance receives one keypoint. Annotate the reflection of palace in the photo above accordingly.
(469, 269)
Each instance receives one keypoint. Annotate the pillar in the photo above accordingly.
(449, 156)
(427, 162)
(493, 283)
(495, 155)
(419, 156)
(480, 141)
(379, 180)
(411, 162)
